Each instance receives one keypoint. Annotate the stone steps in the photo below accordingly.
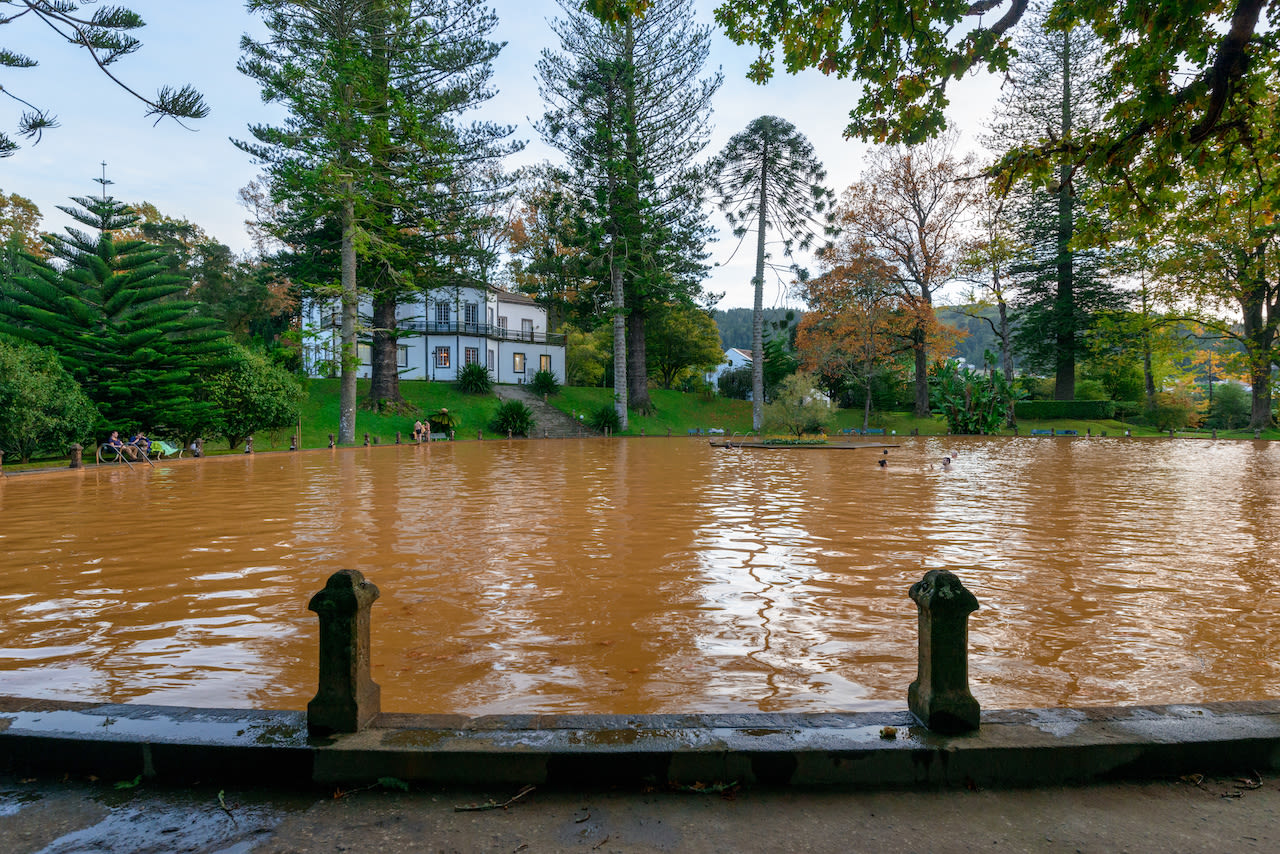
(549, 422)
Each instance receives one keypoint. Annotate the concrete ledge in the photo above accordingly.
(867, 750)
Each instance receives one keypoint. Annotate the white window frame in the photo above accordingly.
(442, 357)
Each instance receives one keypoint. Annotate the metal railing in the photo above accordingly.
(480, 330)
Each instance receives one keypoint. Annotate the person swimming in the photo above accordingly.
(946, 462)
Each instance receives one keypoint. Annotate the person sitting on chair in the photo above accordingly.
(141, 442)
(114, 441)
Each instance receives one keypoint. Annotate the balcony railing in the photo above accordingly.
(480, 330)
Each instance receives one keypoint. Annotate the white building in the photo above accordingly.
(734, 358)
(441, 332)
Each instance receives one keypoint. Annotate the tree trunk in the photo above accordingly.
(1064, 310)
(1148, 376)
(922, 373)
(637, 367)
(350, 303)
(619, 346)
(1259, 339)
(757, 316)
(384, 385)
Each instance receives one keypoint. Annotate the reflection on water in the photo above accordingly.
(651, 575)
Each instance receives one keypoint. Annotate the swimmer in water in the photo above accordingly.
(883, 462)
(946, 462)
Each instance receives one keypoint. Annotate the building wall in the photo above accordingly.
(508, 334)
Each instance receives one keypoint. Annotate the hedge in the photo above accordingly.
(1084, 410)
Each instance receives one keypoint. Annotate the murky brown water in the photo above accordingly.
(652, 575)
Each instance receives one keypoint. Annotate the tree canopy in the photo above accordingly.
(1180, 78)
(106, 36)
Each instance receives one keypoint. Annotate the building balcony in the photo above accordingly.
(479, 330)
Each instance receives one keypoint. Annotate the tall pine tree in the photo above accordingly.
(115, 316)
(1061, 287)
(628, 108)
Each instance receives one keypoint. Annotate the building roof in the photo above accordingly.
(746, 354)
(511, 297)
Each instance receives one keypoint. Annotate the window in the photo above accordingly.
(365, 352)
(526, 329)
(491, 315)
(544, 363)
(442, 357)
(402, 355)
(472, 314)
(488, 362)
(517, 362)
(502, 323)
(442, 312)
(471, 356)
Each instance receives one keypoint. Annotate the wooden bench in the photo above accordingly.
(1041, 432)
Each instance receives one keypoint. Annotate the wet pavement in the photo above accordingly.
(1193, 814)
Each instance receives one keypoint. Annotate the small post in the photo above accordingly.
(199, 447)
(668, 432)
(293, 442)
(375, 440)
(366, 440)
(940, 698)
(451, 436)
(348, 698)
(1088, 431)
(1171, 435)
(397, 437)
(544, 432)
(1015, 429)
(1257, 434)
(480, 435)
(641, 432)
(77, 456)
(331, 442)
(915, 431)
(1215, 432)
(248, 445)
(508, 434)
(1, 459)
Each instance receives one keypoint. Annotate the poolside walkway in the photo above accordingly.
(1195, 815)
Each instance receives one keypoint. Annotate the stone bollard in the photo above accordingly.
(1, 459)
(451, 436)
(480, 435)
(1257, 434)
(348, 698)
(375, 440)
(940, 696)
(397, 437)
(366, 440)
(1170, 434)
(248, 445)
(508, 434)
(668, 432)
(915, 431)
(544, 432)
(1015, 429)
(77, 456)
(1089, 431)
(331, 442)
(293, 443)
(1215, 433)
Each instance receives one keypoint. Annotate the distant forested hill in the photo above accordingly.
(735, 324)
(980, 335)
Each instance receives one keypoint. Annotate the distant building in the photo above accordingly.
(444, 330)
(734, 358)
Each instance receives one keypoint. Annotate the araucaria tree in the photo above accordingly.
(910, 206)
(105, 35)
(370, 160)
(769, 179)
(628, 108)
(115, 317)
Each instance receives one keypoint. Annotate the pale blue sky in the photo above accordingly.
(196, 175)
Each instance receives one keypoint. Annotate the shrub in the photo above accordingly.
(474, 379)
(1232, 407)
(736, 383)
(544, 382)
(972, 403)
(1085, 410)
(441, 421)
(1091, 390)
(605, 418)
(42, 409)
(513, 417)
